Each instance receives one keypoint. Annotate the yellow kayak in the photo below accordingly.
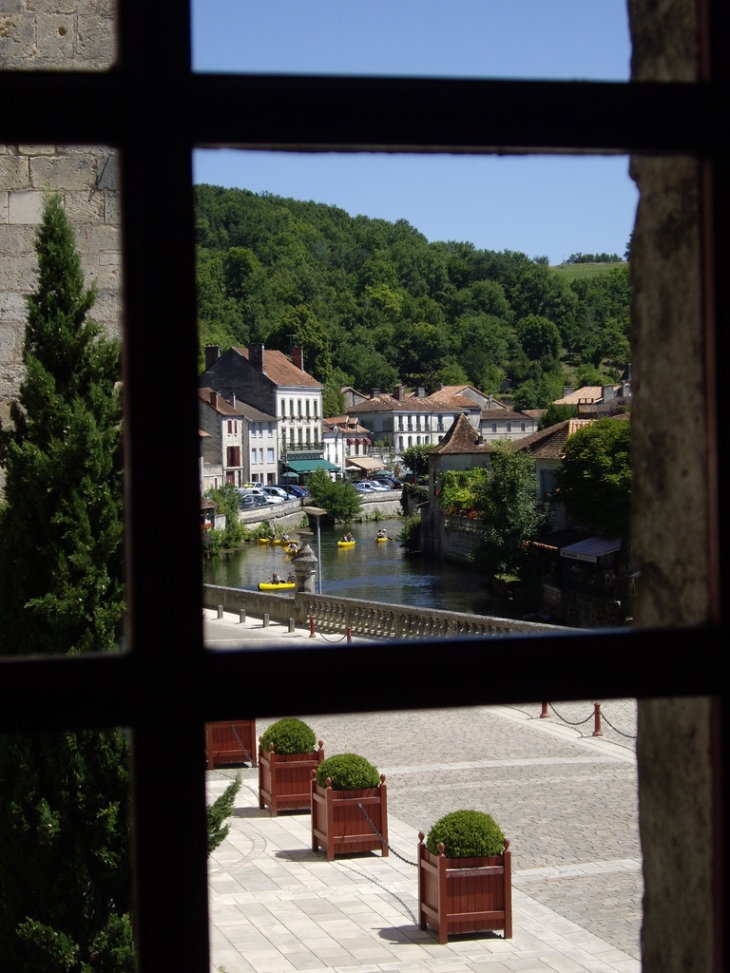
(381, 540)
(345, 543)
(264, 540)
(280, 586)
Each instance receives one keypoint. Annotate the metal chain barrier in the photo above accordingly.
(245, 752)
(382, 840)
(629, 736)
(570, 722)
(338, 639)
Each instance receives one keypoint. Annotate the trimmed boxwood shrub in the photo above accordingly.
(289, 736)
(466, 834)
(348, 772)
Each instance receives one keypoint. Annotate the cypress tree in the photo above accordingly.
(65, 888)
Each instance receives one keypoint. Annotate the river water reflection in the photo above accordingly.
(369, 571)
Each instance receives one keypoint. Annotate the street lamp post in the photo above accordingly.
(317, 512)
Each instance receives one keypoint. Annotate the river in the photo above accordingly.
(369, 571)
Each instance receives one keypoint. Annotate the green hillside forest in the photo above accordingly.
(374, 303)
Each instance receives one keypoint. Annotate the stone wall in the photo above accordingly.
(38, 34)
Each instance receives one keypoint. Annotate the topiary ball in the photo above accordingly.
(466, 834)
(348, 772)
(289, 736)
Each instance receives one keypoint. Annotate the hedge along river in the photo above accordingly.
(368, 571)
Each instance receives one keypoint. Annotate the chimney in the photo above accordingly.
(297, 357)
(399, 393)
(232, 399)
(421, 393)
(374, 393)
(256, 356)
(567, 390)
(607, 393)
(214, 398)
(212, 354)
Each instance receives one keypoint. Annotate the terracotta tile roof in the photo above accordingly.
(592, 393)
(222, 407)
(340, 424)
(452, 400)
(252, 414)
(461, 438)
(535, 413)
(386, 403)
(549, 443)
(488, 415)
(281, 370)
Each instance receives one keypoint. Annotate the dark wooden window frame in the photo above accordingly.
(154, 111)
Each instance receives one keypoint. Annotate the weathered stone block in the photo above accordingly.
(84, 207)
(108, 168)
(16, 273)
(112, 208)
(16, 238)
(56, 36)
(96, 42)
(12, 308)
(11, 342)
(36, 149)
(17, 40)
(14, 172)
(3, 207)
(97, 238)
(63, 172)
(25, 207)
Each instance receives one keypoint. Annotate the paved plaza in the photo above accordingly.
(566, 800)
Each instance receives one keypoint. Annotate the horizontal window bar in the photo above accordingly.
(371, 114)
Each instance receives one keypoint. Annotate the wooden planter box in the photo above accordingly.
(223, 746)
(338, 824)
(458, 895)
(284, 779)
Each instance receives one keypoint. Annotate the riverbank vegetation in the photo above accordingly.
(373, 303)
(502, 501)
(340, 499)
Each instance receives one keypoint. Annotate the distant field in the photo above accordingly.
(572, 271)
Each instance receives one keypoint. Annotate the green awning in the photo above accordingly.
(308, 465)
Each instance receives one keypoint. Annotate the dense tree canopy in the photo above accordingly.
(378, 302)
(595, 477)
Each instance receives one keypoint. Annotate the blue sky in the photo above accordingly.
(538, 204)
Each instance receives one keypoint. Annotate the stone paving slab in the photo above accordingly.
(276, 905)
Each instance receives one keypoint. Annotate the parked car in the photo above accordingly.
(378, 485)
(275, 492)
(250, 501)
(363, 486)
(293, 489)
(393, 482)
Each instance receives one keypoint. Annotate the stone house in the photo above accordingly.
(401, 420)
(503, 424)
(278, 387)
(347, 445)
(453, 538)
(240, 444)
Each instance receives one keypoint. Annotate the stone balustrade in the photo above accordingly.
(379, 620)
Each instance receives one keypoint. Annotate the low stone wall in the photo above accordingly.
(280, 608)
(287, 514)
(385, 501)
(333, 614)
(451, 538)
